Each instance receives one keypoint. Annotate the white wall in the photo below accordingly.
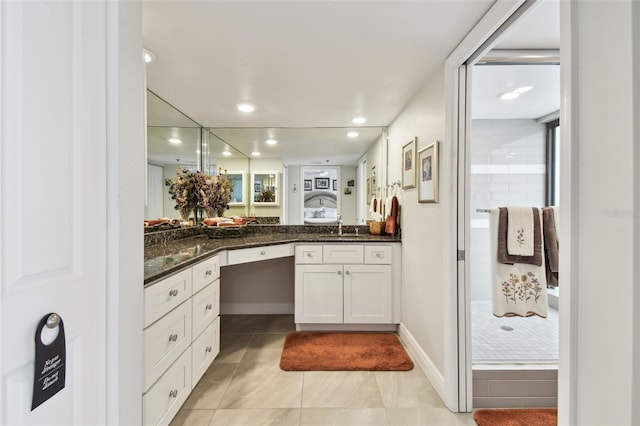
(424, 267)
(597, 185)
(348, 202)
(295, 196)
(495, 145)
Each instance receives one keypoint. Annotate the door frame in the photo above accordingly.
(476, 44)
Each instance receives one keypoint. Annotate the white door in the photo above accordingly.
(367, 294)
(53, 203)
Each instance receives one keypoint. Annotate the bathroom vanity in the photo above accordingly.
(342, 282)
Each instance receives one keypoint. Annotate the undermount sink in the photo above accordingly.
(353, 235)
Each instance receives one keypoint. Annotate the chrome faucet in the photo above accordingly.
(339, 224)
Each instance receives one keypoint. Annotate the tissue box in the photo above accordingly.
(376, 228)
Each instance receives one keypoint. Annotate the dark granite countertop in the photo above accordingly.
(161, 260)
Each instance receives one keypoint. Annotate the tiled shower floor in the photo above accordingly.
(532, 339)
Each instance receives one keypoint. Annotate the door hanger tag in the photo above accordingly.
(50, 365)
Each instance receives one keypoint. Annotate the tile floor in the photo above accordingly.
(245, 386)
(531, 339)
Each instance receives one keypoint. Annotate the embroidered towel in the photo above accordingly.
(504, 256)
(519, 289)
(520, 231)
(551, 250)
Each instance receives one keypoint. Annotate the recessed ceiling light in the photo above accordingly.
(175, 141)
(148, 55)
(271, 141)
(353, 134)
(359, 120)
(246, 107)
(523, 89)
(226, 153)
(507, 96)
(255, 154)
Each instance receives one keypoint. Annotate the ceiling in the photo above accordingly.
(304, 65)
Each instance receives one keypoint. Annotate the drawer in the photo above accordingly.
(204, 273)
(165, 295)
(259, 253)
(308, 254)
(162, 402)
(204, 350)
(205, 307)
(342, 253)
(164, 341)
(378, 255)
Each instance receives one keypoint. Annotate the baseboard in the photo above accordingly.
(347, 327)
(424, 362)
(256, 308)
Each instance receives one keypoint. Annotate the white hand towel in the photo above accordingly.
(371, 204)
(520, 231)
(519, 289)
(387, 205)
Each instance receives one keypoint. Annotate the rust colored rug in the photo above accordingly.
(516, 417)
(324, 351)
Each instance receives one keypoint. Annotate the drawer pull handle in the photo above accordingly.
(378, 254)
(208, 272)
(173, 393)
(208, 307)
(173, 292)
(339, 272)
(173, 337)
(347, 273)
(263, 252)
(309, 255)
(208, 349)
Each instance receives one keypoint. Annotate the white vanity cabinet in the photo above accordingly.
(348, 284)
(181, 337)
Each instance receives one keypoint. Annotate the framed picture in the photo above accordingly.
(322, 183)
(409, 164)
(428, 174)
(335, 185)
(307, 184)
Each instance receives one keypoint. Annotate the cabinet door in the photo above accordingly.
(318, 293)
(204, 350)
(367, 294)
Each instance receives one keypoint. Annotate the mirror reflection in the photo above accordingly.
(294, 175)
(175, 141)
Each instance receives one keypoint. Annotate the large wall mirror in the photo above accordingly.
(173, 141)
(304, 175)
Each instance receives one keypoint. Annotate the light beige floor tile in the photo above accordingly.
(428, 416)
(193, 418)
(343, 417)
(264, 348)
(239, 323)
(210, 389)
(275, 324)
(263, 386)
(340, 389)
(233, 347)
(257, 417)
(406, 389)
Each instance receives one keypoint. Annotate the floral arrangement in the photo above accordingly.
(193, 190)
(266, 196)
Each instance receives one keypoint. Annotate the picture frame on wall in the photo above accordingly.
(307, 185)
(427, 165)
(322, 183)
(409, 164)
(335, 184)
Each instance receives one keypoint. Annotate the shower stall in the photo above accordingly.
(511, 160)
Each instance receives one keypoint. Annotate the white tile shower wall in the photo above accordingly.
(507, 168)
